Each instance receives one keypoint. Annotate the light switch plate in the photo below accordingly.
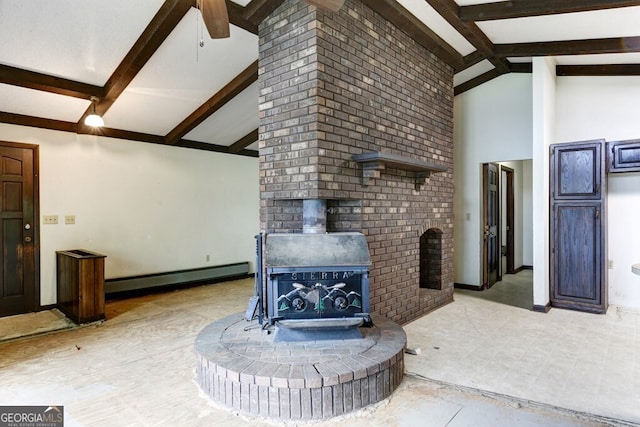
(50, 219)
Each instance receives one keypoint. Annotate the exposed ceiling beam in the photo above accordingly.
(238, 17)
(476, 81)
(523, 8)
(196, 145)
(224, 95)
(572, 47)
(448, 9)
(122, 134)
(472, 59)
(392, 11)
(47, 83)
(598, 70)
(60, 125)
(257, 10)
(521, 67)
(164, 21)
(515, 67)
(37, 122)
(244, 142)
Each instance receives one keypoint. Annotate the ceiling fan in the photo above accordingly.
(216, 18)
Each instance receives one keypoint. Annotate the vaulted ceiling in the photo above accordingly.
(159, 78)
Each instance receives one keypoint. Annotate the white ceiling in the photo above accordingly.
(85, 41)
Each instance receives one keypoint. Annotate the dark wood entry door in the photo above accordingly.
(18, 228)
(491, 208)
(578, 226)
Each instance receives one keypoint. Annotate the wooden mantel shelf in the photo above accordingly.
(376, 161)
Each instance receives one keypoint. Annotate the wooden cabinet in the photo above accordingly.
(578, 226)
(80, 285)
(623, 156)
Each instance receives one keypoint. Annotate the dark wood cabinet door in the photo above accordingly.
(577, 250)
(578, 226)
(577, 170)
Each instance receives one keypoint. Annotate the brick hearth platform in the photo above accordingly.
(241, 367)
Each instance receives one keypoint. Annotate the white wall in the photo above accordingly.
(608, 107)
(149, 208)
(492, 123)
(544, 110)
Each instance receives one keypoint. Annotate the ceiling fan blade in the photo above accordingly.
(331, 5)
(215, 17)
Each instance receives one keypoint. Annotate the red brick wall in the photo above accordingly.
(337, 84)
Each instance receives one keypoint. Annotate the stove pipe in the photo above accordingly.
(314, 216)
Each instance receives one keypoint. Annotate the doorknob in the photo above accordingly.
(27, 226)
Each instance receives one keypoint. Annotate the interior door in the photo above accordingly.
(491, 209)
(18, 229)
(509, 219)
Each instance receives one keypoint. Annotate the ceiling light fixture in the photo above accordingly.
(93, 119)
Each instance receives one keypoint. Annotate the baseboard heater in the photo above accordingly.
(177, 278)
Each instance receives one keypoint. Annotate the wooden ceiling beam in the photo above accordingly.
(257, 10)
(238, 17)
(524, 8)
(164, 21)
(598, 70)
(476, 81)
(395, 13)
(243, 80)
(197, 145)
(448, 9)
(472, 59)
(37, 122)
(47, 83)
(63, 126)
(521, 67)
(244, 142)
(569, 47)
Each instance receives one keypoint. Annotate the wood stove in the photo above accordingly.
(316, 284)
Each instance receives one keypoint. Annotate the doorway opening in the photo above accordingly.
(506, 222)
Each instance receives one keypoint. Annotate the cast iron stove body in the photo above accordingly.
(317, 283)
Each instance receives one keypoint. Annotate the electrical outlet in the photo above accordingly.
(50, 219)
(610, 264)
(69, 219)
(207, 258)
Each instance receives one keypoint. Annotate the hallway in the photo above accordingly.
(137, 367)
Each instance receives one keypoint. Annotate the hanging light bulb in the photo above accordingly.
(93, 119)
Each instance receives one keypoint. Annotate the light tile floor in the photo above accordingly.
(485, 340)
(137, 368)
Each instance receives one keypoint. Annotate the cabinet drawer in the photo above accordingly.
(623, 156)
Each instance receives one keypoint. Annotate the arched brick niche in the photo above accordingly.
(431, 259)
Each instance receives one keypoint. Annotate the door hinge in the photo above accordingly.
(597, 213)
